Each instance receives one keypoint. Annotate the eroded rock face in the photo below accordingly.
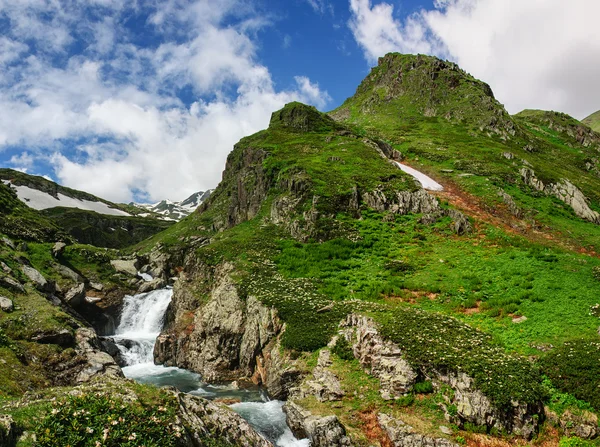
(381, 358)
(324, 384)
(565, 191)
(384, 359)
(226, 338)
(323, 431)
(403, 435)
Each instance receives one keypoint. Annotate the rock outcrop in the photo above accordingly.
(97, 362)
(324, 385)
(403, 435)
(38, 279)
(325, 431)
(8, 431)
(384, 359)
(204, 420)
(227, 337)
(381, 358)
(565, 191)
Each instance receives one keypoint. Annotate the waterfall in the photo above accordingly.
(142, 319)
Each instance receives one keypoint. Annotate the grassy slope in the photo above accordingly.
(593, 121)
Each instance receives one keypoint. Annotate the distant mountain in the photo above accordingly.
(34, 208)
(593, 121)
(168, 210)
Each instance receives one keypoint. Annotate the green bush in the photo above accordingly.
(95, 419)
(423, 387)
(343, 349)
(574, 368)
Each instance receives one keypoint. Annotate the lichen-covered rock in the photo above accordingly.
(584, 425)
(38, 279)
(381, 358)
(76, 295)
(205, 420)
(565, 191)
(324, 384)
(6, 304)
(98, 362)
(9, 283)
(227, 337)
(8, 431)
(322, 431)
(403, 435)
(384, 360)
(126, 266)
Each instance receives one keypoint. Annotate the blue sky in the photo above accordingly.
(143, 100)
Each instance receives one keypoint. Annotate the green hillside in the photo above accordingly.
(593, 121)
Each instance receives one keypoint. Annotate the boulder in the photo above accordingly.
(58, 249)
(98, 363)
(38, 279)
(6, 304)
(322, 431)
(207, 420)
(9, 243)
(584, 425)
(76, 295)
(148, 286)
(61, 337)
(382, 358)
(5, 268)
(126, 266)
(9, 283)
(66, 272)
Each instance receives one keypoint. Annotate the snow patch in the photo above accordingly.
(40, 200)
(425, 181)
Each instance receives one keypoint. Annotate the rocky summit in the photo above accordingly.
(384, 312)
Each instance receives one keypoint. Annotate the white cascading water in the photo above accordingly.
(142, 319)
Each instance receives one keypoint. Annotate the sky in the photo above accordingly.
(142, 100)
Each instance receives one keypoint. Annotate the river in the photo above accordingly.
(142, 319)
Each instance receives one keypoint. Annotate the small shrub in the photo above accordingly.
(574, 368)
(95, 419)
(343, 349)
(423, 387)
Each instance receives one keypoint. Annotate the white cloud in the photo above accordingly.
(321, 6)
(108, 118)
(534, 54)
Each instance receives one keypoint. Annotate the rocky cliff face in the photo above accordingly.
(228, 337)
(385, 361)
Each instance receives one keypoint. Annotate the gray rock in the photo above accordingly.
(61, 337)
(8, 431)
(76, 295)
(512, 206)
(97, 286)
(66, 272)
(508, 155)
(5, 268)
(98, 363)
(9, 243)
(6, 304)
(572, 196)
(9, 283)
(126, 266)
(38, 279)
(565, 191)
(583, 425)
(382, 358)
(58, 249)
(322, 431)
(207, 420)
(403, 435)
(148, 286)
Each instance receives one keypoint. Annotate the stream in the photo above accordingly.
(142, 320)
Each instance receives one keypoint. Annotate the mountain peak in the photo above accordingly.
(299, 117)
(593, 121)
